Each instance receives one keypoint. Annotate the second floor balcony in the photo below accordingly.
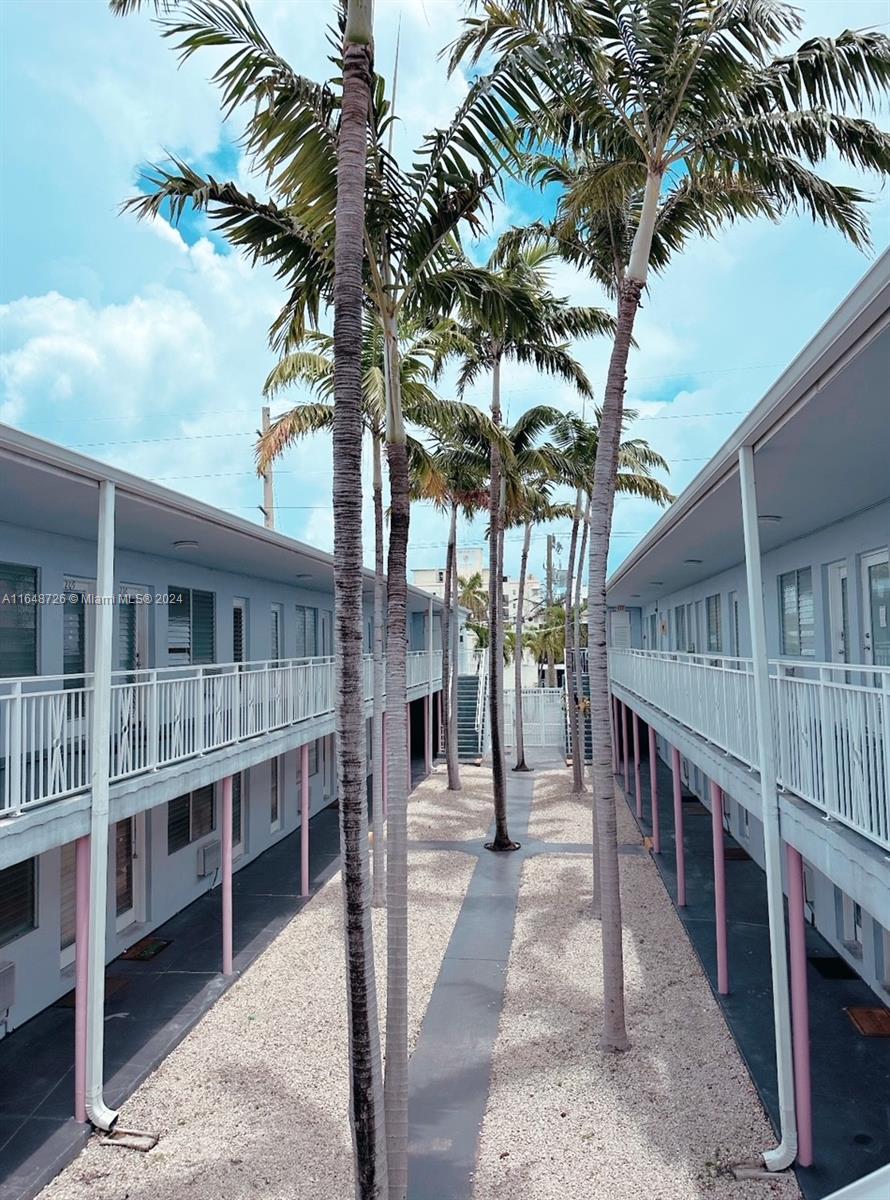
(831, 723)
(162, 717)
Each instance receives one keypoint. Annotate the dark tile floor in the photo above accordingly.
(851, 1073)
(159, 1002)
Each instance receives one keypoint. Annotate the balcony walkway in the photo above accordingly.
(38, 1135)
(851, 1131)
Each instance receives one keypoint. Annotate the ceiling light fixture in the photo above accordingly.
(769, 517)
(185, 544)
(696, 562)
(656, 583)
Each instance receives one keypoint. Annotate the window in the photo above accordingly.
(189, 818)
(18, 907)
(734, 642)
(18, 621)
(680, 639)
(274, 794)
(239, 630)
(848, 918)
(190, 625)
(307, 631)
(797, 614)
(277, 619)
(715, 636)
(237, 812)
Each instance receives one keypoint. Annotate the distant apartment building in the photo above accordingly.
(474, 560)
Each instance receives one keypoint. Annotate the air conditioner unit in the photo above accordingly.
(7, 987)
(208, 859)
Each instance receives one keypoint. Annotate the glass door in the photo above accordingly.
(129, 880)
(876, 605)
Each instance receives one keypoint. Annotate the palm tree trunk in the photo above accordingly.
(364, 1037)
(581, 718)
(449, 661)
(378, 898)
(571, 674)
(602, 502)
(502, 839)
(396, 1076)
(614, 1032)
(521, 764)
(455, 655)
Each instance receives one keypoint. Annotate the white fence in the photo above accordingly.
(159, 718)
(831, 723)
(543, 717)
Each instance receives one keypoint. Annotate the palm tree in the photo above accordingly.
(453, 477)
(472, 595)
(683, 116)
(535, 333)
(312, 364)
(529, 507)
(578, 440)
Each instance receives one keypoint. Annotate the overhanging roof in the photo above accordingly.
(821, 437)
(46, 486)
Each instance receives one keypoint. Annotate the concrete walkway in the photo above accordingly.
(850, 1073)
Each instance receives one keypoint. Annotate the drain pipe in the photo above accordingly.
(784, 1154)
(98, 1112)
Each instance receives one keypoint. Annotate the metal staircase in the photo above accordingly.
(582, 689)
(468, 749)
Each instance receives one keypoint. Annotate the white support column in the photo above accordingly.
(785, 1153)
(100, 737)
(428, 715)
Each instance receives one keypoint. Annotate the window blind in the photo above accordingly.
(715, 637)
(68, 897)
(236, 809)
(17, 902)
(18, 621)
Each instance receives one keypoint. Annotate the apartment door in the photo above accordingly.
(876, 606)
(132, 627)
(838, 613)
(129, 871)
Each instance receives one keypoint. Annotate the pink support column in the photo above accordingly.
(625, 741)
(719, 889)
(637, 789)
(385, 772)
(408, 723)
(304, 819)
(800, 1014)
(653, 793)
(427, 735)
(614, 735)
(678, 828)
(227, 875)
(81, 941)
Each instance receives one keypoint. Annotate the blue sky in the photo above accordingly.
(145, 346)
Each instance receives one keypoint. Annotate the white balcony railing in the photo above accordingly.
(831, 723)
(158, 718)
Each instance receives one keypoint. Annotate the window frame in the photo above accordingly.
(186, 658)
(713, 607)
(6, 563)
(275, 794)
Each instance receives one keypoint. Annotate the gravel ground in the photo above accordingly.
(659, 1122)
(436, 813)
(254, 1102)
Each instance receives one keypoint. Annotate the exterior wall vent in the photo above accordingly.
(209, 859)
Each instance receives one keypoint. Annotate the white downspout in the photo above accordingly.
(98, 1112)
(784, 1154)
(428, 728)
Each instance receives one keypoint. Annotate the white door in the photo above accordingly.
(619, 626)
(876, 608)
(129, 871)
(839, 613)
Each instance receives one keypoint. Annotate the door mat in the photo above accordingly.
(871, 1022)
(830, 966)
(113, 985)
(145, 949)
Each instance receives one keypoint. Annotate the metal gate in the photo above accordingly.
(543, 717)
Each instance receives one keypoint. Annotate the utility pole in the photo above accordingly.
(551, 669)
(268, 505)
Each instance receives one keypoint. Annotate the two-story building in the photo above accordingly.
(170, 665)
(783, 702)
